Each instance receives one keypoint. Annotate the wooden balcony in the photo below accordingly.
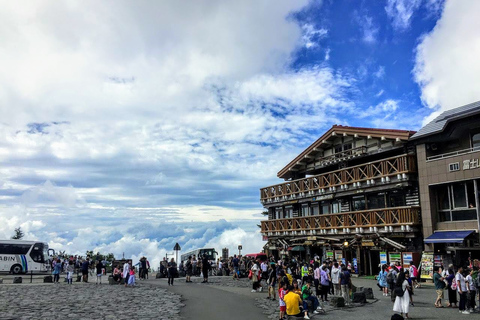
(384, 168)
(380, 218)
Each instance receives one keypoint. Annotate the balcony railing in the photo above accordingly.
(399, 216)
(346, 154)
(352, 175)
(453, 154)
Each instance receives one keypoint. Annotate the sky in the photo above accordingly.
(129, 126)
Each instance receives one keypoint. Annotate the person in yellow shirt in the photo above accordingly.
(293, 302)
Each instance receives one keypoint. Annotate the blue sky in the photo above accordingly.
(128, 127)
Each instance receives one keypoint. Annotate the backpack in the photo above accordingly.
(454, 284)
(390, 277)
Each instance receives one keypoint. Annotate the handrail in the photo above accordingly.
(381, 168)
(397, 216)
(452, 154)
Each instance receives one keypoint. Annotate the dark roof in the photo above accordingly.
(440, 123)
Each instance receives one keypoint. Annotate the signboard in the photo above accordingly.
(426, 270)
(329, 255)
(177, 247)
(395, 257)
(355, 265)
(407, 257)
(338, 255)
(320, 198)
(368, 243)
(383, 258)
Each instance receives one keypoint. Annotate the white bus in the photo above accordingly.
(198, 254)
(18, 256)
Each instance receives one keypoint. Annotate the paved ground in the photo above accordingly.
(87, 301)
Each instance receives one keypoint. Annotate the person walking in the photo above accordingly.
(126, 272)
(131, 277)
(346, 283)
(324, 283)
(236, 270)
(439, 282)
(462, 289)
(255, 278)
(188, 269)
(206, 266)
(172, 271)
(85, 266)
(70, 270)
(382, 280)
(452, 288)
(414, 275)
(57, 268)
(272, 282)
(473, 291)
(402, 297)
(337, 289)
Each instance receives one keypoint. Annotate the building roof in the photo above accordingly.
(439, 124)
(337, 130)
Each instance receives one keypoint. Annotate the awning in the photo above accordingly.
(448, 236)
(393, 243)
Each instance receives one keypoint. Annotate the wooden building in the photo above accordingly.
(352, 194)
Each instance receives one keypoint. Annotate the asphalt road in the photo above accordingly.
(213, 302)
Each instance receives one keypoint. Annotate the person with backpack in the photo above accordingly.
(452, 289)
(345, 284)
(414, 275)
(402, 297)
(188, 269)
(391, 279)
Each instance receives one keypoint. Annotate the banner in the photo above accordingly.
(395, 257)
(426, 271)
(407, 257)
(383, 258)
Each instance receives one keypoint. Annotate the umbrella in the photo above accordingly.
(298, 248)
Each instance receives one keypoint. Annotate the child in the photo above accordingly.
(282, 291)
(272, 281)
(131, 279)
(70, 270)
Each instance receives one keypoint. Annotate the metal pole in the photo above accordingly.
(477, 203)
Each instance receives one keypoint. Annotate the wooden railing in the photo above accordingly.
(347, 176)
(399, 216)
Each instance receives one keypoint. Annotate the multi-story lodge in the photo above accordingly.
(353, 195)
(448, 150)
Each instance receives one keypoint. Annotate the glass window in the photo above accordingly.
(461, 215)
(336, 206)
(325, 205)
(37, 253)
(305, 210)
(443, 198)
(279, 213)
(476, 141)
(471, 194)
(358, 203)
(459, 195)
(396, 198)
(314, 209)
(376, 201)
(338, 148)
(347, 146)
(288, 212)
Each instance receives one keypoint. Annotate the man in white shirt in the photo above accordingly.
(462, 288)
(126, 271)
(264, 267)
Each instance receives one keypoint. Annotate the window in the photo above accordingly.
(325, 205)
(476, 141)
(358, 203)
(338, 148)
(305, 210)
(37, 253)
(14, 248)
(314, 209)
(288, 212)
(456, 202)
(347, 146)
(336, 206)
(396, 198)
(454, 166)
(376, 201)
(278, 213)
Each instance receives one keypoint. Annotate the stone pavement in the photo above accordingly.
(87, 301)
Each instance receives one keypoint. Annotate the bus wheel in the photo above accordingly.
(16, 269)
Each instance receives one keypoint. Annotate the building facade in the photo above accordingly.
(353, 194)
(448, 153)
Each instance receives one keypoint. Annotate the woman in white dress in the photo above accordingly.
(402, 304)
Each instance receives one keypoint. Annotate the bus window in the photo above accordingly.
(37, 253)
(14, 248)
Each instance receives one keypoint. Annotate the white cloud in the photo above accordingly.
(447, 64)
(383, 110)
(380, 73)
(370, 30)
(311, 36)
(401, 12)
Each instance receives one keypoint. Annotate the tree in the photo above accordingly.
(18, 234)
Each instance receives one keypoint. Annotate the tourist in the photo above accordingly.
(382, 280)
(345, 283)
(99, 267)
(282, 291)
(255, 275)
(172, 271)
(194, 265)
(236, 270)
(272, 281)
(391, 279)
(85, 266)
(70, 270)
(131, 277)
(117, 275)
(206, 266)
(307, 296)
(57, 268)
(452, 288)
(126, 272)
(188, 269)
(316, 278)
(296, 289)
(410, 286)
(324, 283)
(439, 282)
(414, 275)
(304, 272)
(462, 288)
(335, 275)
(264, 268)
(473, 292)
(402, 297)
(292, 303)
